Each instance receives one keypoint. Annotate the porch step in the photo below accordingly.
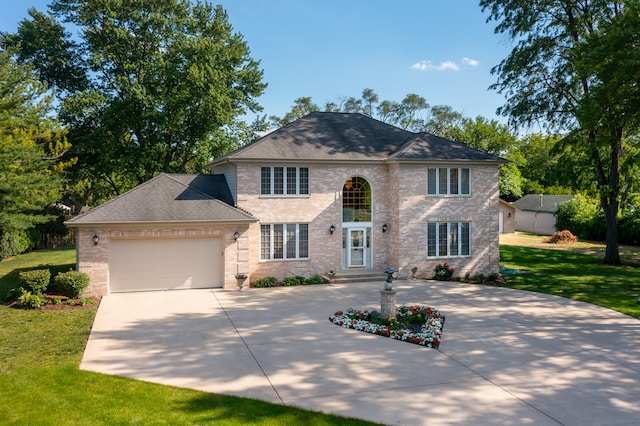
(362, 275)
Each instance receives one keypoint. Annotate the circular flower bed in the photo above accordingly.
(420, 325)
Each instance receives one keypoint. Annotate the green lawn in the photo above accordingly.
(40, 382)
(573, 275)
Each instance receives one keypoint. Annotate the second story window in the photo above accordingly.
(448, 181)
(284, 180)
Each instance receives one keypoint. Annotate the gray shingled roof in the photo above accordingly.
(541, 203)
(351, 137)
(425, 146)
(169, 198)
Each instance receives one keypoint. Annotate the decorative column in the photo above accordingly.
(388, 296)
(388, 303)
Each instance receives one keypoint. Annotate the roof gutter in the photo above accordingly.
(130, 224)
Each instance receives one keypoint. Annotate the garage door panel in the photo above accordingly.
(161, 264)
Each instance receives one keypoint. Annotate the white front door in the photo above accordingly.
(357, 248)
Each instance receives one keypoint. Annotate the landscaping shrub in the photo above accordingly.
(289, 281)
(35, 280)
(443, 272)
(18, 242)
(561, 237)
(583, 217)
(13, 294)
(30, 300)
(316, 279)
(72, 283)
(493, 276)
(264, 282)
(629, 228)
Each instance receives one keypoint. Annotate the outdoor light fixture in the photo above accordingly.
(384, 228)
(96, 239)
(236, 235)
(332, 229)
(509, 214)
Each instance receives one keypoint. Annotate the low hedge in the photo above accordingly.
(35, 280)
(72, 283)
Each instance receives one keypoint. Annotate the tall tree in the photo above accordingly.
(443, 120)
(301, 107)
(30, 145)
(551, 77)
(486, 135)
(162, 78)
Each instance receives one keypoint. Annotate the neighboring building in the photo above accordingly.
(330, 191)
(507, 218)
(536, 213)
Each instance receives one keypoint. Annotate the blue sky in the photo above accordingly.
(333, 49)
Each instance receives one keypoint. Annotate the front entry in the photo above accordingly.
(357, 247)
(356, 224)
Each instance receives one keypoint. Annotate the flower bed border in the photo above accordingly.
(420, 325)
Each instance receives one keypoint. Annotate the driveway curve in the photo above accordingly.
(507, 357)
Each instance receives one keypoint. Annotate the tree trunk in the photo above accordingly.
(610, 200)
(612, 254)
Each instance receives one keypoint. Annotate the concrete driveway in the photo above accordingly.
(508, 356)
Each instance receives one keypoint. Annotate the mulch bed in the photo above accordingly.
(64, 305)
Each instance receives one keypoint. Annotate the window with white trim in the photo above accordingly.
(448, 239)
(284, 241)
(448, 181)
(284, 180)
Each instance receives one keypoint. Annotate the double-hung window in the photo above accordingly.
(448, 239)
(284, 241)
(448, 181)
(284, 180)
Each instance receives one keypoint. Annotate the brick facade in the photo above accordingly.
(399, 200)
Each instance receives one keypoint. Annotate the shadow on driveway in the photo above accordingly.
(507, 357)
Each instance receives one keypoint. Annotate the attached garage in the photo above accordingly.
(165, 264)
(174, 231)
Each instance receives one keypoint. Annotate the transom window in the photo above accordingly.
(448, 181)
(284, 181)
(356, 200)
(284, 241)
(448, 239)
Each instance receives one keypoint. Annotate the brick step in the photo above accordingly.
(359, 276)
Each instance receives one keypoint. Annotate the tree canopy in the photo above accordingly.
(31, 143)
(556, 75)
(147, 86)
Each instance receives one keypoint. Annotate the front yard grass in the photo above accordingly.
(574, 272)
(40, 382)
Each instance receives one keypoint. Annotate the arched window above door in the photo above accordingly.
(356, 200)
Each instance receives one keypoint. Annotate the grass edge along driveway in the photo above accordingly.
(572, 271)
(40, 382)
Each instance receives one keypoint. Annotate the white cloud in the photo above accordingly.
(443, 66)
(428, 65)
(471, 62)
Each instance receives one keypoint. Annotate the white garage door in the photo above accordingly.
(161, 264)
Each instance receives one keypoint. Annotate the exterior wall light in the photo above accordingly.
(332, 229)
(385, 227)
(95, 239)
(236, 235)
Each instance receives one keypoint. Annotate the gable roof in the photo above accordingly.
(541, 203)
(331, 136)
(169, 198)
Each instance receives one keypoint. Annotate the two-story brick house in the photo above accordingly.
(330, 191)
